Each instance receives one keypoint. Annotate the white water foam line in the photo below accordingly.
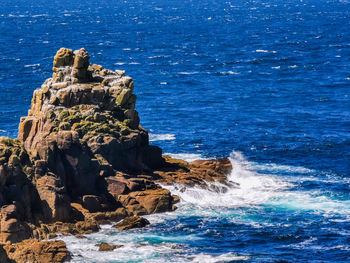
(251, 188)
(161, 137)
(188, 157)
(135, 247)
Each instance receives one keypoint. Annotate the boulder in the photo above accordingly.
(103, 246)
(80, 65)
(63, 58)
(14, 230)
(132, 222)
(116, 187)
(33, 251)
(154, 201)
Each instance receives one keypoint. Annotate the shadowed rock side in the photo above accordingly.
(81, 158)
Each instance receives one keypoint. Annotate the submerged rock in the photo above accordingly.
(132, 222)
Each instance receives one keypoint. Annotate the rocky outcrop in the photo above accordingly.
(103, 246)
(81, 158)
(132, 222)
(34, 251)
(198, 172)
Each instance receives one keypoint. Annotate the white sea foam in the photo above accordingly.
(137, 246)
(251, 185)
(188, 157)
(229, 72)
(40, 15)
(188, 73)
(32, 65)
(162, 137)
(247, 188)
(227, 257)
(272, 167)
(250, 188)
(265, 51)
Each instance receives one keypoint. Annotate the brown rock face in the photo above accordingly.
(103, 246)
(196, 173)
(82, 159)
(132, 222)
(76, 131)
(33, 251)
(64, 57)
(80, 65)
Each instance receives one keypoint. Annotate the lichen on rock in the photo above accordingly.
(81, 158)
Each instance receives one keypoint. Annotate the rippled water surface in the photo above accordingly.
(265, 82)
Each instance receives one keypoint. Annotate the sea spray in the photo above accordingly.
(252, 202)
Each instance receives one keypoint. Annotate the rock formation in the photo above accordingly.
(132, 222)
(103, 246)
(36, 251)
(81, 158)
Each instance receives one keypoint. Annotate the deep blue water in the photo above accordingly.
(268, 81)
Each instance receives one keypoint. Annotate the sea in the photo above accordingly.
(265, 83)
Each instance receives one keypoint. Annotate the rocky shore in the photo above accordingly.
(82, 159)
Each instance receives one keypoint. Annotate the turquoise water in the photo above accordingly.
(265, 82)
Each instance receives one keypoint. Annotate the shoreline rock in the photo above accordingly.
(82, 159)
(132, 222)
(103, 246)
(32, 250)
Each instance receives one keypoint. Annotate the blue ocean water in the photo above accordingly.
(265, 82)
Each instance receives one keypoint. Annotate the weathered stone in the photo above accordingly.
(116, 187)
(33, 251)
(198, 172)
(56, 204)
(64, 57)
(96, 68)
(82, 159)
(103, 246)
(121, 73)
(81, 64)
(132, 222)
(123, 97)
(13, 230)
(154, 201)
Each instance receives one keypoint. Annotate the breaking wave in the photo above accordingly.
(247, 187)
(161, 137)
